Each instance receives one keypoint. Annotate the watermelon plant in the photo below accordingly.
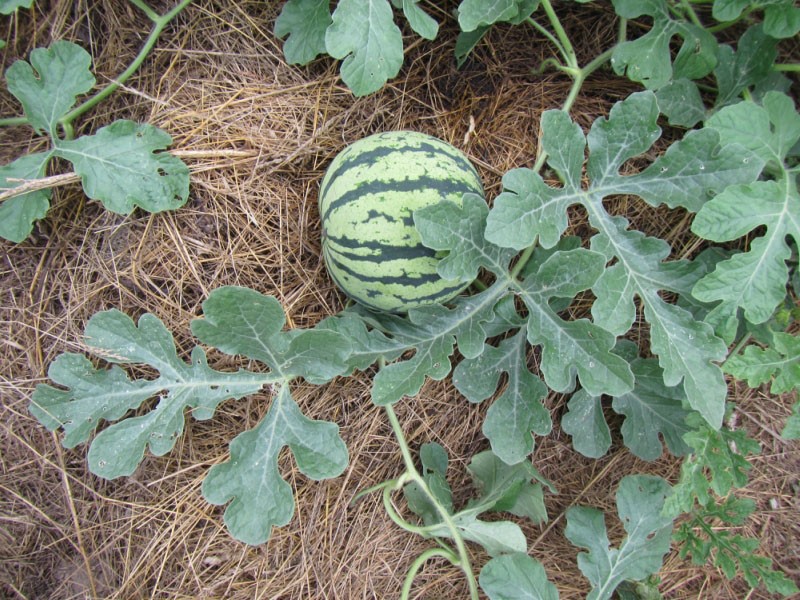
(733, 164)
(136, 173)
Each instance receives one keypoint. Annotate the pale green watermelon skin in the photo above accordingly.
(366, 201)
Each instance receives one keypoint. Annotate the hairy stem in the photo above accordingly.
(461, 558)
(159, 23)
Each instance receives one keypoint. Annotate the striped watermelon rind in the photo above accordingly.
(367, 197)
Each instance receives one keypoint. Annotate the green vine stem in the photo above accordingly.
(417, 565)
(461, 557)
(159, 23)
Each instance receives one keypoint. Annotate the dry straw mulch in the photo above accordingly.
(258, 135)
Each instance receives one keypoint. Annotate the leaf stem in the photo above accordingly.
(159, 23)
(462, 557)
(565, 44)
(405, 593)
(553, 40)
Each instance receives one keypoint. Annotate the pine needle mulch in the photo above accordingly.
(258, 135)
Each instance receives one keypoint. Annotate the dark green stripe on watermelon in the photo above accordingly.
(444, 187)
(379, 252)
(368, 157)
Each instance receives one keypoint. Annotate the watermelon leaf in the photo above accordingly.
(421, 22)
(516, 576)
(578, 347)
(516, 489)
(238, 321)
(18, 214)
(364, 35)
(648, 59)
(432, 332)
(529, 209)
(518, 411)
(585, 423)
(781, 17)
(717, 463)
(48, 86)
(731, 552)
(459, 230)
(122, 166)
(94, 394)
(242, 321)
(650, 409)
(640, 499)
(9, 6)
(754, 280)
(259, 498)
(780, 363)
(305, 23)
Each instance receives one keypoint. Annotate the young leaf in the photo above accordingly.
(434, 469)
(259, 497)
(648, 59)
(48, 86)
(779, 363)
(17, 214)
(121, 166)
(93, 394)
(730, 551)
(242, 321)
(459, 230)
(519, 410)
(363, 33)
(516, 577)
(501, 488)
(640, 499)
(305, 22)
(718, 462)
(508, 488)
(571, 348)
(754, 280)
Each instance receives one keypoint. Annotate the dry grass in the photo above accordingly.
(258, 135)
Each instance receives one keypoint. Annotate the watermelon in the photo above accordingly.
(366, 201)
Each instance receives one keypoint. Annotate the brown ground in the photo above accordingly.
(258, 135)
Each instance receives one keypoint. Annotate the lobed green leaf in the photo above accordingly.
(640, 499)
(516, 577)
(364, 35)
(259, 497)
(122, 166)
(305, 23)
(93, 394)
(48, 86)
(18, 214)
